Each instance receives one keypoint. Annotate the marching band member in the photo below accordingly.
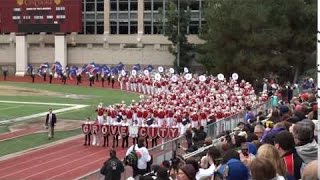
(195, 119)
(161, 116)
(102, 78)
(139, 116)
(126, 81)
(139, 83)
(203, 118)
(169, 115)
(100, 110)
(112, 80)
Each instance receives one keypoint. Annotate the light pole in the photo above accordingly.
(178, 38)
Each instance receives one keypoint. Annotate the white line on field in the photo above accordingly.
(73, 107)
(14, 107)
(41, 103)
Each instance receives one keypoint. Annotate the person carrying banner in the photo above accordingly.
(87, 137)
(125, 138)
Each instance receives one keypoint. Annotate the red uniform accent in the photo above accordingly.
(109, 112)
(129, 114)
(145, 114)
(113, 114)
(170, 114)
(139, 114)
(195, 117)
(100, 111)
(203, 116)
(155, 113)
(178, 118)
(161, 114)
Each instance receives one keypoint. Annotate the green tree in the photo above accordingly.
(259, 38)
(174, 20)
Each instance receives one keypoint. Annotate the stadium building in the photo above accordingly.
(112, 31)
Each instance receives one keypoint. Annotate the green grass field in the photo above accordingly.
(33, 140)
(68, 94)
(10, 110)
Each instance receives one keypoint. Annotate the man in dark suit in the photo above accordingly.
(51, 120)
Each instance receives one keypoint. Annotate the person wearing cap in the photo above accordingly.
(234, 169)
(186, 172)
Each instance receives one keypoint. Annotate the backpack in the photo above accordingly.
(132, 158)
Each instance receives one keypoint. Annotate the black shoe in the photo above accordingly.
(84, 144)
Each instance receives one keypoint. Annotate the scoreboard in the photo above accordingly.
(34, 16)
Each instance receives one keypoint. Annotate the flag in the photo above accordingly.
(120, 66)
(149, 68)
(73, 72)
(57, 67)
(29, 68)
(136, 67)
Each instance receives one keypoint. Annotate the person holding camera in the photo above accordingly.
(143, 157)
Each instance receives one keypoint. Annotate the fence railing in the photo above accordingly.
(164, 150)
(229, 123)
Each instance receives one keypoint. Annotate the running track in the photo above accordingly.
(18, 133)
(38, 79)
(68, 160)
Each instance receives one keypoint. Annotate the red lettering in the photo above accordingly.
(105, 129)
(143, 132)
(123, 130)
(114, 130)
(95, 129)
(173, 132)
(85, 128)
(163, 132)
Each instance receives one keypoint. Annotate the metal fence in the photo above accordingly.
(164, 150)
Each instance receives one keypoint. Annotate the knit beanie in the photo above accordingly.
(189, 170)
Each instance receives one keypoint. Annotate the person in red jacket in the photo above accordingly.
(129, 114)
(161, 116)
(100, 113)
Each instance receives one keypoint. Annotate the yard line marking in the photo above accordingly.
(10, 107)
(40, 103)
(73, 107)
